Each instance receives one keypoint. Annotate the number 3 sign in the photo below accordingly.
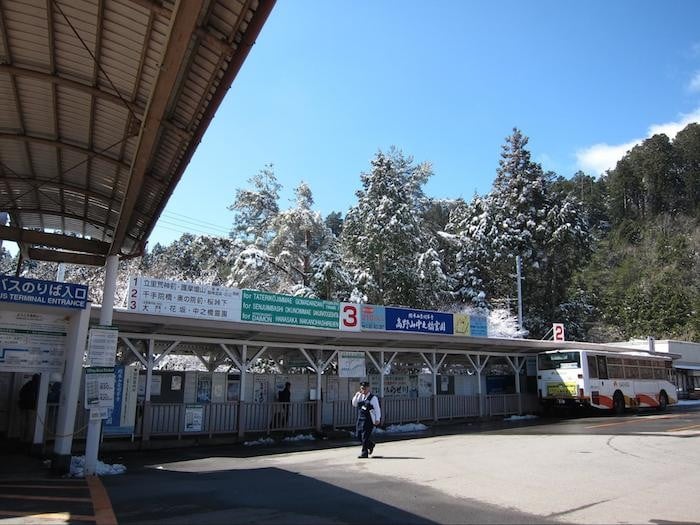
(350, 317)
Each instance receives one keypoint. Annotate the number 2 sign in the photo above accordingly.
(558, 331)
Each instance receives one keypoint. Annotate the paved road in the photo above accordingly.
(634, 469)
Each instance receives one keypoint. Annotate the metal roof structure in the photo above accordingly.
(102, 105)
(214, 332)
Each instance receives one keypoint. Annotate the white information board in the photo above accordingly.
(201, 301)
(32, 342)
(351, 364)
(102, 346)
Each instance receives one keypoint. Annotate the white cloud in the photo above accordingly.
(695, 82)
(598, 158)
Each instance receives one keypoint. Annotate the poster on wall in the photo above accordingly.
(218, 387)
(351, 364)
(233, 390)
(194, 418)
(156, 384)
(203, 388)
(260, 390)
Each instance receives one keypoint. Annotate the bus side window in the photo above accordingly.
(602, 367)
(592, 367)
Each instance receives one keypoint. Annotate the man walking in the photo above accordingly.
(369, 414)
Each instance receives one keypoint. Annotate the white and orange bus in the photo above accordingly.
(605, 380)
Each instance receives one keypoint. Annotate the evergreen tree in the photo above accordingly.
(383, 236)
(256, 208)
(686, 147)
(523, 216)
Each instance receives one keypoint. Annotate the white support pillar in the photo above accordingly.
(92, 442)
(242, 397)
(381, 374)
(70, 389)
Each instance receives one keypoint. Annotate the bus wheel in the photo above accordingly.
(663, 401)
(619, 403)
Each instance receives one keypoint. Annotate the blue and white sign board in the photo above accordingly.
(44, 293)
(372, 317)
(479, 326)
(32, 341)
(121, 419)
(423, 321)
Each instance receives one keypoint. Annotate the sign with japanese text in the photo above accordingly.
(121, 418)
(102, 346)
(181, 299)
(271, 308)
(44, 293)
(32, 341)
(372, 317)
(479, 326)
(99, 388)
(423, 321)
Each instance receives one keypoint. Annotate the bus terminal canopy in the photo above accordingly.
(214, 332)
(102, 105)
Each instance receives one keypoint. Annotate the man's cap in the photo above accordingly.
(364, 383)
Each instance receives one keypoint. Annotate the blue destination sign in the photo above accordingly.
(44, 293)
(372, 317)
(478, 326)
(423, 321)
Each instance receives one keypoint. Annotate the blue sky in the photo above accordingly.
(328, 83)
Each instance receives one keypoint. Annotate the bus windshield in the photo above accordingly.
(559, 360)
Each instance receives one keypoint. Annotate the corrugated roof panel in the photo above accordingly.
(44, 158)
(75, 37)
(73, 167)
(14, 158)
(27, 30)
(109, 128)
(9, 115)
(74, 115)
(36, 101)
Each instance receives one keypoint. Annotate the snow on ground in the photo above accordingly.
(77, 468)
(397, 429)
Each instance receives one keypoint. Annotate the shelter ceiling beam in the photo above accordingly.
(18, 235)
(60, 81)
(29, 139)
(184, 23)
(82, 259)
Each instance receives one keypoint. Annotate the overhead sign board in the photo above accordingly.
(271, 308)
(423, 321)
(43, 293)
(182, 299)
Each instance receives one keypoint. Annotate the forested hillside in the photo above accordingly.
(613, 257)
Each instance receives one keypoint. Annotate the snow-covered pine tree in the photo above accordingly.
(302, 246)
(256, 208)
(390, 253)
(521, 216)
